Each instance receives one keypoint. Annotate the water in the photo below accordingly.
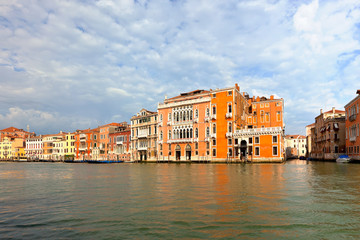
(169, 201)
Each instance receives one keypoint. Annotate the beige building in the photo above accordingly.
(309, 132)
(5, 149)
(69, 148)
(295, 146)
(328, 140)
(144, 130)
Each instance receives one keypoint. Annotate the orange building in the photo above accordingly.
(87, 144)
(105, 140)
(15, 132)
(352, 123)
(262, 140)
(199, 125)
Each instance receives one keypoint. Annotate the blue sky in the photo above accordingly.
(67, 65)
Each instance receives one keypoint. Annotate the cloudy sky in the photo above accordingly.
(67, 65)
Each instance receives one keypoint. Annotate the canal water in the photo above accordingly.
(298, 199)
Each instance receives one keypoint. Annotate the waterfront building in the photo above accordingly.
(34, 147)
(120, 143)
(5, 148)
(262, 140)
(328, 141)
(51, 146)
(59, 145)
(185, 127)
(295, 146)
(144, 136)
(309, 133)
(87, 144)
(352, 127)
(105, 140)
(69, 149)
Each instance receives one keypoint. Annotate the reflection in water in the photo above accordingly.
(297, 199)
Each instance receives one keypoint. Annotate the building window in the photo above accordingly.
(274, 139)
(214, 95)
(207, 112)
(169, 134)
(229, 127)
(229, 108)
(207, 145)
(169, 116)
(275, 150)
(230, 152)
(196, 113)
(196, 153)
(207, 131)
(250, 140)
(267, 117)
(278, 116)
(229, 93)
(214, 128)
(229, 141)
(196, 145)
(257, 140)
(257, 151)
(214, 142)
(214, 110)
(214, 152)
(196, 133)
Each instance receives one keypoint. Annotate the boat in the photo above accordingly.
(343, 159)
(104, 161)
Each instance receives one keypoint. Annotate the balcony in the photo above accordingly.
(119, 142)
(183, 140)
(82, 148)
(228, 115)
(143, 135)
(169, 123)
(196, 139)
(352, 139)
(207, 119)
(352, 117)
(229, 134)
(213, 117)
(196, 120)
(207, 139)
(213, 135)
(142, 148)
(160, 124)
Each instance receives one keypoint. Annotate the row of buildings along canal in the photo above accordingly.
(216, 125)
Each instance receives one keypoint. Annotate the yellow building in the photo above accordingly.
(69, 148)
(5, 149)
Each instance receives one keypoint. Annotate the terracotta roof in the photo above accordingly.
(11, 129)
(336, 111)
(311, 125)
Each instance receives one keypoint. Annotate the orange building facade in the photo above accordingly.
(262, 140)
(120, 143)
(352, 122)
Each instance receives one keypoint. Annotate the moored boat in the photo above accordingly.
(104, 161)
(343, 159)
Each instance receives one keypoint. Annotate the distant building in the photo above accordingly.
(328, 141)
(144, 135)
(352, 127)
(309, 133)
(295, 146)
(34, 148)
(120, 143)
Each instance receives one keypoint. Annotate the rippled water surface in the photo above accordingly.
(313, 200)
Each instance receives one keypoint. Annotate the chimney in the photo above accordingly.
(237, 87)
(321, 111)
(358, 91)
(333, 110)
(272, 97)
(258, 99)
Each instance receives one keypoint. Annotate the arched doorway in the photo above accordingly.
(177, 152)
(188, 152)
(243, 148)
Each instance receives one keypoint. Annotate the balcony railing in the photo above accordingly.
(352, 117)
(229, 134)
(213, 135)
(119, 142)
(183, 140)
(143, 135)
(213, 116)
(207, 119)
(142, 148)
(228, 115)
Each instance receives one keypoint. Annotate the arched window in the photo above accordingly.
(161, 135)
(196, 113)
(187, 133)
(169, 134)
(181, 133)
(207, 131)
(174, 134)
(191, 133)
(196, 133)
(207, 112)
(184, 117)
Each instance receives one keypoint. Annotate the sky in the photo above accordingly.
(67, 65)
